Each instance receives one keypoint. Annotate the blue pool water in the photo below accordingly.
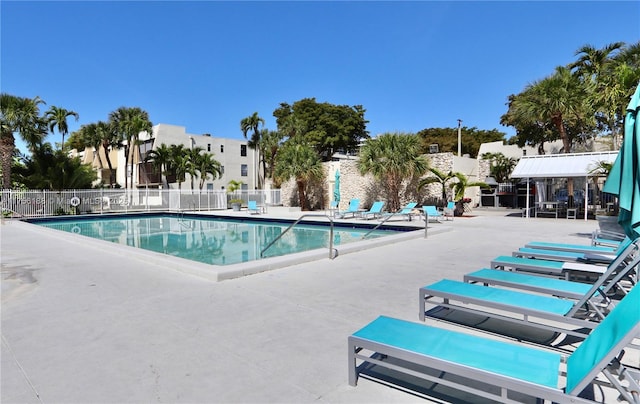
(209, 239)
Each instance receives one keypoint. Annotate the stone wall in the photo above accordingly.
(367, 188)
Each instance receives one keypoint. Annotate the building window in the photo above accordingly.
(221, 148)
(208, 147)
(221, 170)
(524, 152)
(243, 150)
(244, 170)
(209, 187)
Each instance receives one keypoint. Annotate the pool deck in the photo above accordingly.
(86, 324)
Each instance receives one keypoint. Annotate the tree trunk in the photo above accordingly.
(7, 145)
(301, 196)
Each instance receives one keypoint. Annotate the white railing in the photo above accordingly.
(33, 203)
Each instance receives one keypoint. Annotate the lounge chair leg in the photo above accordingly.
(353, 374)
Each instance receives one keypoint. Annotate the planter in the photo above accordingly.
(609, 223)
(236, 207)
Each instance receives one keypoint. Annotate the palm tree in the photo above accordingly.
(129, 122)
(110, 140)
(252, 123)
(301, 162)
(179, 163)
(161, 158)
(207, 165)
(270, 144)
(459, 189)
(561, 100)
(57, 118)
(18, 115)
(192, 157)
(439, 177)
(392, 158)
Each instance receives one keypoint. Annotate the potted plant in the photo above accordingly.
(232, 187)
(459, 189)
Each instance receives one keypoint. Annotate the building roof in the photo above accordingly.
(561, 165)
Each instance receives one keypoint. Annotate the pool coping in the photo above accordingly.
(218, 273)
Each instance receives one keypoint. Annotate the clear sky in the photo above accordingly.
(206, 65)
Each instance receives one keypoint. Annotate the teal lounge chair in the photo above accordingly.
(449, 210)
(565, 256)
(607, 238)
(353, 210)
(253, 208)
(492, 369)
(526, 308)
(430, 211)
(374, 212)
(407, 212)
(578, 247)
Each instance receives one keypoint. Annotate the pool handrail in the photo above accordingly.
(331, 249)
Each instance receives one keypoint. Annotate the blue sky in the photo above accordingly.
(208, 64)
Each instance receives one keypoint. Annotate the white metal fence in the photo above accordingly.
(33, 203)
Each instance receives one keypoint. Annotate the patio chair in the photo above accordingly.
(430, 211)
(528, 309)
(493, 369)
(353, 210)
(578, 247)
(374, 212)
(565, 269)
(566, 256)
(449, 210)
(607, 238)
(333, 208)
(406, 211)
(253, 208)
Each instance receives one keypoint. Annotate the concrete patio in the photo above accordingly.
(85, 324)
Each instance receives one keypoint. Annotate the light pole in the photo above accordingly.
(459, 138)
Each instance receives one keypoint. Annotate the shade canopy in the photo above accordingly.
(561, 165)
(624, 179)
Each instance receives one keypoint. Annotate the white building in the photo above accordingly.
(238, 162)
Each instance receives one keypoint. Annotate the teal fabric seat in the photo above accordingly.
(502, 297)
(375, 211)
(353, 210)
(430, 211)
(540, 284)
(468, 362)
(517, 361)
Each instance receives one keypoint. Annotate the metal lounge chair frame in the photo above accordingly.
(430, 211)
(508, 366)
(374, 212)
(565, 256)
(578, 247)
(526, 308)
(405, 211)
(253, 208)
(353, 210)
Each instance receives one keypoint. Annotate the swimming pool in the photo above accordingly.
(213, 240)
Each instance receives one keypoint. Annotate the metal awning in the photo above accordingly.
(561, 165)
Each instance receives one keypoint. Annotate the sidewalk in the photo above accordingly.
(80, 324)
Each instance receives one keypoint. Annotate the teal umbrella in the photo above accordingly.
(624, 178)
(336, 188)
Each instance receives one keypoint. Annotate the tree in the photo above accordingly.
(57, 118)
(501, 166)
(18, 115)
(161, 158)
(55, 170)
(301, 162)
(252, 123)
(459, 187)
(328, 128)
(559, 100)
(270, 144)
(192, 157)
(447, 139)
(392, 158)
(208, 166)
(179, 164)
(439, 177)
(128, 123)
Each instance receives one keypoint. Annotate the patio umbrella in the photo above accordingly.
(624, 178)
(336, 188)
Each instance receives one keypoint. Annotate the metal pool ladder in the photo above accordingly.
(332, 251)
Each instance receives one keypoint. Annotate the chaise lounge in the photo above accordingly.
(498, 370)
